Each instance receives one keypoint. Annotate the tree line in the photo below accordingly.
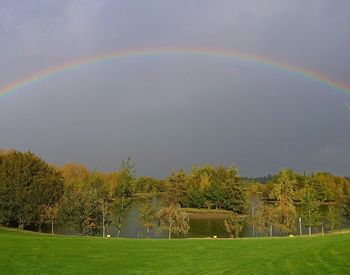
(284, 192)
(34, 194)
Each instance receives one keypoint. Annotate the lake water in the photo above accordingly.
(199, 227)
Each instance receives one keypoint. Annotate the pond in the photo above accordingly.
(200, 227)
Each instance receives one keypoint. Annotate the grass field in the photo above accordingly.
(30, 253)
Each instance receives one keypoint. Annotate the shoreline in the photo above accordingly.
(195, 213)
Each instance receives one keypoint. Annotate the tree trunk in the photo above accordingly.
(120, 218)
(169, 233)
(103, 227)
(253, 222)
(103, 221)
(309, 223)
(270, 230)
(21, 223)
(119, 228)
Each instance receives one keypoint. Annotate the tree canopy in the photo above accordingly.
(34, 193)
(27, 187)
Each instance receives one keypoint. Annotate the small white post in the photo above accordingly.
(300, 231)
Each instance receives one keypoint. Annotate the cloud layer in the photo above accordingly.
(171, 112)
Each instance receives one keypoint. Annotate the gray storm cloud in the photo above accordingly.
(170, 112)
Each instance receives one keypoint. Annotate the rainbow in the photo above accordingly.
(24, 82)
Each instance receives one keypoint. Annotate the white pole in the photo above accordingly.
(300, 231)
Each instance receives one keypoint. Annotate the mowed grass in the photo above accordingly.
(30, 253)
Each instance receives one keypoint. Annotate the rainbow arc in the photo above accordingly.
(139, 53)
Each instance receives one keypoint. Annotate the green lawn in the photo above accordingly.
(31, 253)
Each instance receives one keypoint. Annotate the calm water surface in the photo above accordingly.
(199, 227)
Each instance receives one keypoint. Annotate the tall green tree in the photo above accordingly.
(197, 187)
(215, 192)
(28, 185)
(177, 185)
(283, 192)
(83, 205)
(105, 198)
(266, 219)
(195, 197)
(235, 196)
(147, 216)
(123, 192)
(310, 214)
(335, 217)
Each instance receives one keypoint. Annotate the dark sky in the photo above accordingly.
(171, 112)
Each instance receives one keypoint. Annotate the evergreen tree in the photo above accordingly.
(215, 191)
(195, 197)
(235, 197)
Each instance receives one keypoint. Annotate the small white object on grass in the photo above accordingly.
(214, 237)
(291, 235)
(108, 236)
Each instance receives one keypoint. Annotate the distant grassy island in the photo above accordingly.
(24, 252)
(203, 213)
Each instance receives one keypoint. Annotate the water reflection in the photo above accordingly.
(199, 227)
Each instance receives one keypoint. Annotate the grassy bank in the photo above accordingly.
(31, 253)
(204, 213)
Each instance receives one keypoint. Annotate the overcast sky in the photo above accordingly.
(171, 112)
